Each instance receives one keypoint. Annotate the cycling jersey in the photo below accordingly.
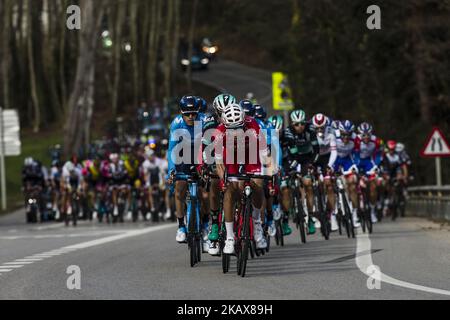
(392, 164)
(368, 154)
(154, 171)
(346, 160)
(327, 147)
(119, 175)
(35, 174)
(179, 130)
(72, 179)
(302, 148)
(252, 162)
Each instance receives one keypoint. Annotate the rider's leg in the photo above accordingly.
(309, 195)
(214, 204)
(351, 189)
(229, 200)
(285, 204)
(180, 196)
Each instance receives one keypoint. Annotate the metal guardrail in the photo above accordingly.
(430, 193)
(429, 201)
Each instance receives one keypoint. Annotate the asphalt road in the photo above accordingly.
(143, 261)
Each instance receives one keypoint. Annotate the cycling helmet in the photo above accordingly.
(277, 122)
(28, 161)
(55, 163)
(298, 116)
(188, 104)
(248, 107)
(400, 147)
(70, 166)
(202, 104)
(391, 144)
(347, 127)
(365, 128)
(113, 157)
(260, 113)
(222, 101)
(335, 124)
(233, 116)
(319, 121)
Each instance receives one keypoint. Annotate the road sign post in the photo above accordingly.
(2, 161)
(10, 145)
(436, 147)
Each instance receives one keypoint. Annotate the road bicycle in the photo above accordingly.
(194, 235)
(244, 227)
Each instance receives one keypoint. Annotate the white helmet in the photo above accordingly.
(400, 147)
(233, 116)
(149, 152)
(70, 166)
(28, 161)
(113, 157)
(222, 101)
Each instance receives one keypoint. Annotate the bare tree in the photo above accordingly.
(191, 44)
(81, 100)
(117, 36)
(5, 51)
(32, 71)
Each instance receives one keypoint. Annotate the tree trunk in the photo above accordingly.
(176, 45)
(156, 11)
(168, 48)
(134, 7)
(5, 51)
(33, 84)
(117, 38)
(81, 100)
(191, 44)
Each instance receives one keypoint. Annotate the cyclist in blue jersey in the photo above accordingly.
(187, 125)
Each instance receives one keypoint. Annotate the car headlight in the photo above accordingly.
(185, 62)
(205, 61)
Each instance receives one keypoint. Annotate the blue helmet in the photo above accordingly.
(335, 124)
(260, 113)
(188, 104)
(347, 126)
(202, 104)
(248, 107)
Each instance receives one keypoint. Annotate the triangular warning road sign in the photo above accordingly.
(436, 145)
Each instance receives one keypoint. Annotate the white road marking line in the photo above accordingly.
(29, 259)
(363, 244)
(53, 226)
(12, 266)
(83, 245)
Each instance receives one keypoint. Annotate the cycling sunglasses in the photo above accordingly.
(299, 124)
(190, 114)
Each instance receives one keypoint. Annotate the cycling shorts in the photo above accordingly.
(346, 165)
(367, 166)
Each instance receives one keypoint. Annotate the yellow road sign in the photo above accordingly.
(282, 94)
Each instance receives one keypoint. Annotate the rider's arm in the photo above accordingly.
(315, 145)
(333, 154)
(172, 143)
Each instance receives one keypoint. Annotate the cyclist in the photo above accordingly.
(300, 151)
(233, 118)
(71, 181)
(394, 168)
(34, 177)
(184, 124)
(132, 165)
(119, 181)
(405, 158)
(153, 176)
(368, 149)
(55, 178)
(211, 123)
(91, 174)
(346, 163)
(326, 160)
(274, 124)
